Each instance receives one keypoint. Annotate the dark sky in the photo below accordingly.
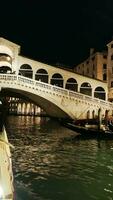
(57, 31)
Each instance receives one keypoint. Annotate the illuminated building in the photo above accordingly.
(99, 65)
(95, 66)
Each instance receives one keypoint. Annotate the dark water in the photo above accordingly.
(49, 165)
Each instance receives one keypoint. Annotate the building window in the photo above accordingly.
(111, 45)
(87, 62)
(93, 58)
(104, 66)
(105, 56)
(93, 67)
(111, 57)
(112, 84)
(88, 70)
(104, 77)
(112, 70)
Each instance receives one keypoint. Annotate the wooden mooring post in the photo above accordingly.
(99, 119)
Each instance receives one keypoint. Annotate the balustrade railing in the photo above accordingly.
(59, 90)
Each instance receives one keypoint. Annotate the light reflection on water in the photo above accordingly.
(49, 165)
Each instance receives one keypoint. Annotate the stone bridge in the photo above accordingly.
(56, 101)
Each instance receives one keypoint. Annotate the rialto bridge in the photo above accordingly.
(60, 92)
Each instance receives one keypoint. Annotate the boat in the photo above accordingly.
(90, 132)
(6, 174)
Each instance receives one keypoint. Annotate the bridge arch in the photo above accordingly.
(72, 84)
(57, 79)
(100, 93)
(41, 75)
(26, 70)
(86, 89)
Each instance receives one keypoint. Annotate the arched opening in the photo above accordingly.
(93, 114)
(41, 75)
(5, 57)
(26, 70)
(86, 89)
(57, 80)
(5, 70)
(100, 93)
(71, 84)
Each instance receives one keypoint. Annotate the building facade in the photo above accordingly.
(95, 66)
(99, 65)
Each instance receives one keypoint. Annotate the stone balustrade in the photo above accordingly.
(52, 88)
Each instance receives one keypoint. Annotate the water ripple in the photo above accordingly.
(51, 166)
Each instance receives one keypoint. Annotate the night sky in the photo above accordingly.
(57, 31)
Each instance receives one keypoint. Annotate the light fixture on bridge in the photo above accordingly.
(8, 58)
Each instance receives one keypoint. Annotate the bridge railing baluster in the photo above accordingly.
(43, 85)
(76, 95)
(60, 90)
(26, 80)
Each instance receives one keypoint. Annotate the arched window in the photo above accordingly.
(5, 70)
(41, 75)
(57, 80)
(86, 89)
(93, 114)
(5, 57)
(100, 93)
(71, 84)
(26, 70)
(88, 114)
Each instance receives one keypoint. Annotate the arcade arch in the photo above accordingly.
(41, 75)
(26, 70)
(86, 89)
(5, 57)
(100, 93)
(57, 80)
(71, 84)
(5, 70)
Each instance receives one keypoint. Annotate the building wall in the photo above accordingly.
(94, 66)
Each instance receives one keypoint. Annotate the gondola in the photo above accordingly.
(89, 133)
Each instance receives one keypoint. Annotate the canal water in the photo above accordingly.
(49, 164)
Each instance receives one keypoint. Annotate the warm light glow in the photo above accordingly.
(8, 58)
